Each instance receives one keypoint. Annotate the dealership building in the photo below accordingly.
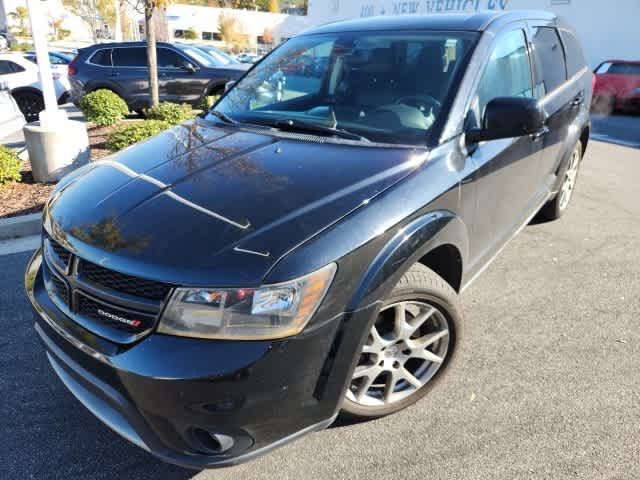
(607, 28)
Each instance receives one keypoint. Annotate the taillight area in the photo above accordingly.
(71, 69)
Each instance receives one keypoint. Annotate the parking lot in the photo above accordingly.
(549, 385)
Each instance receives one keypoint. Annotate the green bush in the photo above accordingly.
(103, 107)
(10, 165)
(190, 34)
(209, 101)
(173, 113)
(22, 47)
(135, 132)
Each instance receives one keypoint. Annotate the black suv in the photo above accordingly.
(186, 74)
(237, 281)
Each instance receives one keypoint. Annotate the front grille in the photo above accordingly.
(123, 320)
(62, 253)
(120, 282)
(113, 305)
(59, 287)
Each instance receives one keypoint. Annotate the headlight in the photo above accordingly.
(268, 312)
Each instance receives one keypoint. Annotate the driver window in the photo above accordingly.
(508, 73)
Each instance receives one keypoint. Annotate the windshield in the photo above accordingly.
(201, 57)
(387, 87)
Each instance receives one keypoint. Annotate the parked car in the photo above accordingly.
(186, 74)
(302, 65)
(6, 40)
(247, 57)
(617, 86)
(235, 282)
(221, 58)
(22, 77)
(11, 118)
(59, 65)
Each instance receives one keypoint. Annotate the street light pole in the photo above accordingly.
(56, 145)
(51, 114)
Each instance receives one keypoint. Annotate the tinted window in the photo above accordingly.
(169, 59)
(102, 57)
(5, 68)
(508, 73)
(130, 57)
(551, 71)
(57, 60)
(9, 67)
(573, 53)
(624, 69)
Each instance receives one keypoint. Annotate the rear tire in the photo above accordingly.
(556, 207)
(412, 344)
(30, 104)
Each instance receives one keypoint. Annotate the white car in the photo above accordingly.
(22, 78)
(11, 118)
(59, 65)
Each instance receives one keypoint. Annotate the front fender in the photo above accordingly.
(407, 247)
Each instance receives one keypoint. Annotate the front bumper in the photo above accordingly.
(166, 393)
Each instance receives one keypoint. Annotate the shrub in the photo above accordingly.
(190, 34)
(103, 107)
(209, 101)
(10, 165)
(170, 112)
(135, 132)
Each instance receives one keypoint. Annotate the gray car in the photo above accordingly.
(186, 74)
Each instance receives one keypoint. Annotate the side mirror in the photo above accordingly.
(189, 67)
(229, 85)
(508, 117)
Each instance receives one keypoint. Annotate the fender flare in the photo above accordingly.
(406, 248)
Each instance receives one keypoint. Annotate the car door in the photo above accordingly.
(130, 74)
(507, 178)
(177, 82)
(560, 99)
(15, 75)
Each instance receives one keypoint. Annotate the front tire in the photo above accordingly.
(410, 346)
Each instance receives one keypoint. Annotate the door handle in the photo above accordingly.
(540, 133)
(114, 74)
(578, 101)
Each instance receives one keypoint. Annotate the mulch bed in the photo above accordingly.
(27, 196)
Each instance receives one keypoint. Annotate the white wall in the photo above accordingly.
(607, 28)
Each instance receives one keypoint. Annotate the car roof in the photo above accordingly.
(632, 62)
(98, 46)
(476, 21)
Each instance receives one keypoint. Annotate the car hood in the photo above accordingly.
(202, 205)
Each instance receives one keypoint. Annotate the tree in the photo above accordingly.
(21, 16)
(231, 32)
(274, 7)
(190, 34)
(94, 13)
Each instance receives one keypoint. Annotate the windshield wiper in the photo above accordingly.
(291, 125)
(223, 116)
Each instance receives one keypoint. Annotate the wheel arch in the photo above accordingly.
(438, 240)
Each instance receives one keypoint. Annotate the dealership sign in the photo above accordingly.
(370, 9)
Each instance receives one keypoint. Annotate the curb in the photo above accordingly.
(22, 226)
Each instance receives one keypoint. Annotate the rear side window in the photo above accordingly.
(102, 57)
(7, 66)
(573, 53)
(551, 71)
(624, 69)
(508, 73)
(130, 57)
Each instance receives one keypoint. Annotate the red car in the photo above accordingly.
(617, 86)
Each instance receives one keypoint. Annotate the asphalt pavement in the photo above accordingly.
(548, 386)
